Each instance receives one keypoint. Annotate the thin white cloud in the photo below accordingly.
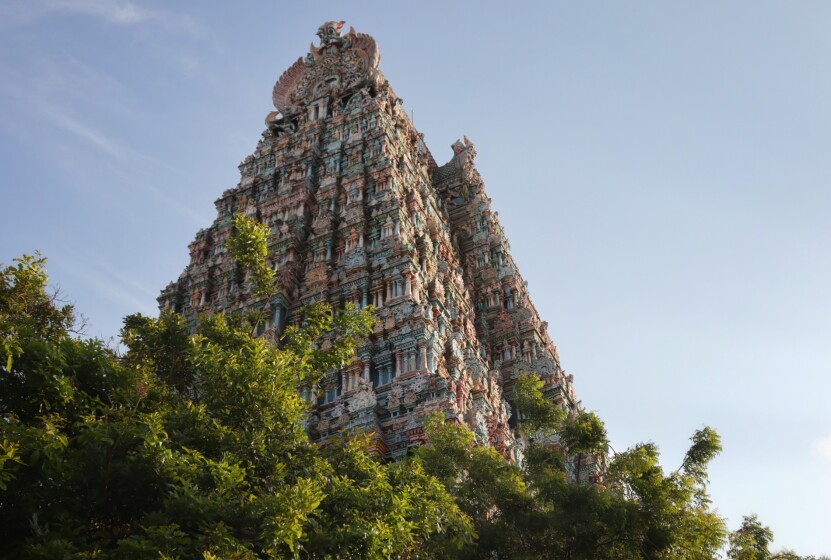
(27, 11)
(62, 117)
(35, 98)
(125, 280)
(116, 12)
(189, 65)
(107, 10)
(66, 83)
(124, 297)
(88, 134)
(823, 447)
(130, 163)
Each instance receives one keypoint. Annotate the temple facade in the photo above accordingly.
(361, 212)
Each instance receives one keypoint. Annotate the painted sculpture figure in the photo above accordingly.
(360, 212)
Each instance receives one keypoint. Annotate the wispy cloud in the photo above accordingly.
(189, 65)
(27, 11)
(116, 12)
(99, 280)
(823, 446)
(37, 96)
(125, 280)
(76, 100)
(131, 161)
(107, 10)
(87, 134)
(62, 80)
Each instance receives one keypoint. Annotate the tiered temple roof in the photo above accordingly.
(360, 212)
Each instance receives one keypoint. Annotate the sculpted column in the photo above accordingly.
(367, 363)
(398, 361)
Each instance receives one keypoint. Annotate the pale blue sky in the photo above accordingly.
(661, 169)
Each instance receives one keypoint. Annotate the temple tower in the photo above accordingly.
(360, 212)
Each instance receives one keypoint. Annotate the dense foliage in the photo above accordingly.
(192, 445)
(535, 512)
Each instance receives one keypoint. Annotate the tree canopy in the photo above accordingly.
(190, 445)
(193, 445)
(544, 509)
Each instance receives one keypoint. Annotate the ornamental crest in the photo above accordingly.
(329, 32)
(340, 62)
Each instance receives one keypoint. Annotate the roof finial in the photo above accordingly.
(329, 32)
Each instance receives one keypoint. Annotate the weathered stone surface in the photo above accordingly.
(360, 212)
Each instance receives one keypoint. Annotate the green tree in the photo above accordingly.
(486, 487)
(190, 445)
(581, 434)
(249, 246)
(372, 510)
(27, 311)
(668, 515)
(637, 512)
(584, 438)
(751, 541)
(539, 415)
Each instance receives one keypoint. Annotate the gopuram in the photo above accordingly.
(361, 212)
